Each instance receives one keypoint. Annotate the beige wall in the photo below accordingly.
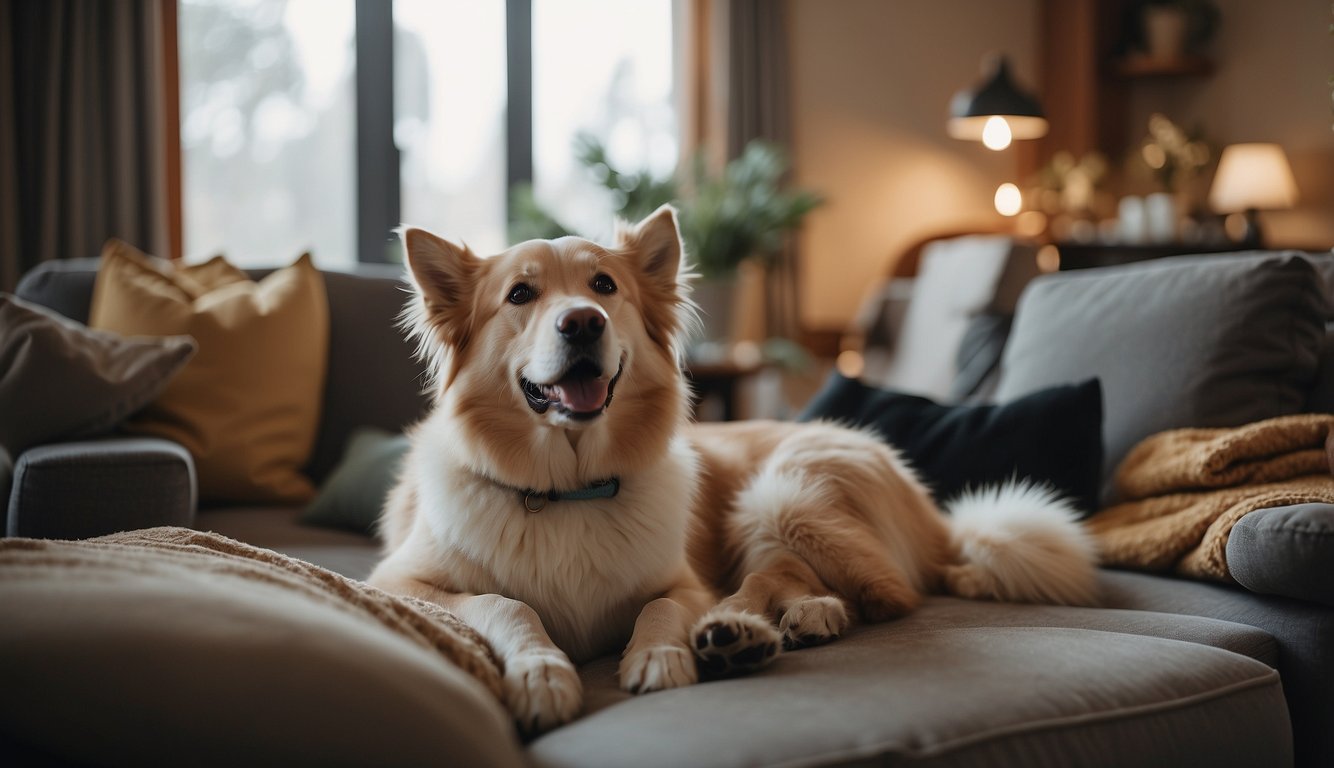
(871, 83)
(1271, 84)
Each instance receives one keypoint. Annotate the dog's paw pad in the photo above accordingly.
(542, 691)
(657, 669)
(734, 642)
(812, 621)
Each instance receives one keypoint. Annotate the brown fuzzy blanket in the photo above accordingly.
(1185, 489)
(162, 552)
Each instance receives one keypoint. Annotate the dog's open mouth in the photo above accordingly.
(582, 393)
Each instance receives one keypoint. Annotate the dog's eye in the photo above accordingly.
(521, 293)
(604, 284)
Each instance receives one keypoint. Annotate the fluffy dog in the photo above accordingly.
(558, 499)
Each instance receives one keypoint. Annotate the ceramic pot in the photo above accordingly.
(1165, 30)
(1160, 217)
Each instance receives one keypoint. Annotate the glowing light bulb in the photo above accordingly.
(996, 133)
(1009, 201)
(1049, 258)
(850, 363)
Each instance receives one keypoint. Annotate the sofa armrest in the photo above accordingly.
(1285, 551)
(90, 488)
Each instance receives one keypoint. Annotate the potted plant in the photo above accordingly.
(1176, 158)
(1172, 29)
(742, 215)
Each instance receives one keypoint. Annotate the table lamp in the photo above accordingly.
(1251, 178)
(996, 111)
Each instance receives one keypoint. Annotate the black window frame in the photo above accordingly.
(378, 184)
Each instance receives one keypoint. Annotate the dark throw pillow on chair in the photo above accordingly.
(1053, 436)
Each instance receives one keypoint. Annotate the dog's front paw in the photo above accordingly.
(657, 669)
(542, 691)
(731, 642)
(812, 621)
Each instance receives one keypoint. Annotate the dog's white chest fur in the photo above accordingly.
(586, 567)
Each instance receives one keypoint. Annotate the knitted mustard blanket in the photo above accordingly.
(169, 553)
(1185, 489)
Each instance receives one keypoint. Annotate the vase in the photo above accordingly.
(1165, 30)
(1130, 224)
(731, 308)
(1160, 217)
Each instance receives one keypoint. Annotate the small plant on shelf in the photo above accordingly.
(1175, 156)
(744, 212)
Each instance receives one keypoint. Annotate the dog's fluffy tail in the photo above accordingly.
(1020, 542)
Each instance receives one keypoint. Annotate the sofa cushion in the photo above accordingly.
(60, 379)
(1192, 341)
(6, 475)
(1285, 551)
(1303, 633)
(279, 528)
(247, 405)
(374, 379)
(1052, 437)
(1324, 267)
(64, 285)
(1321, 399)
(959, 683)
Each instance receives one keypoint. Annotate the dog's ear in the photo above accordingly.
(443, 272)
(445, 275)
(655, 244)
(654, 248)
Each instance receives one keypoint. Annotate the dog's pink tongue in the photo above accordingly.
(582, 395)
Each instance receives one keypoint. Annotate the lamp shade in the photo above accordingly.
(1253, 177)
(996, 96)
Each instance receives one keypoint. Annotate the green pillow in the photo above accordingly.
(354, 493)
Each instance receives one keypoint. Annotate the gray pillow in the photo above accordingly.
(60, 379)
(1189, 341)
(1285, 551)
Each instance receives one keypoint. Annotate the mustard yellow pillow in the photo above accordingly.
(247, 405)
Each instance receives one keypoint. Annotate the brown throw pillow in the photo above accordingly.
(247, 406)
(61, 380)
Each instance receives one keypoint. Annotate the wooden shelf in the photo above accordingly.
(1090, 77)
(1141, 65)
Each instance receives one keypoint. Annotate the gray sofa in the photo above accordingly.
(1164, 672)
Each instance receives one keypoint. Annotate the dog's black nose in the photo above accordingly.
(583, 325)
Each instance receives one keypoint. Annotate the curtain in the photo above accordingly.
(757, 74)
(737, 91)
(87, 88)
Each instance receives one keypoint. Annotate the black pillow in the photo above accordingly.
(1052, 436)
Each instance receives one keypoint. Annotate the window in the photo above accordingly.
(449, 118)
(601, 67)
(270, 103)
(267, 130)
